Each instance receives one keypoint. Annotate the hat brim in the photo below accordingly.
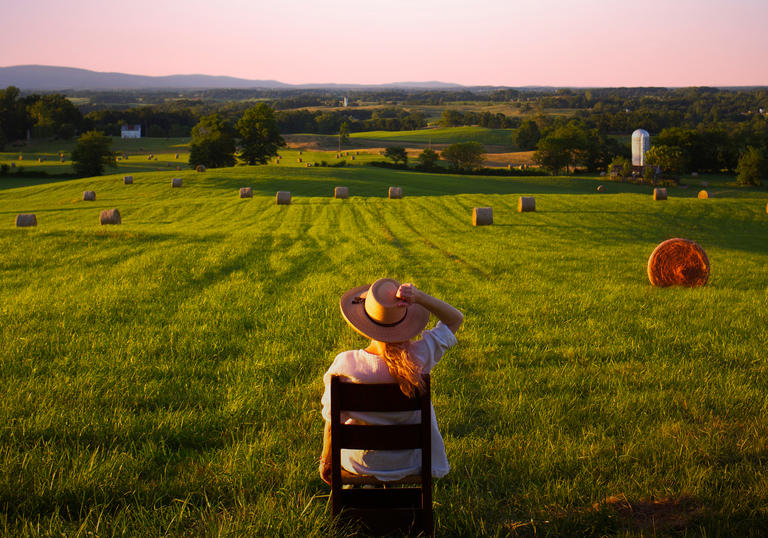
(415, 320)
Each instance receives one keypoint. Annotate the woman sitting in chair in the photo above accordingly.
(391, 315)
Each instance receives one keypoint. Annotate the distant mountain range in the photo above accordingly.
(50, 78)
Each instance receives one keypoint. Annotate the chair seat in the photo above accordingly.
(368, 480)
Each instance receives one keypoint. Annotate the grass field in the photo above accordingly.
(445, 135)
(163, 377)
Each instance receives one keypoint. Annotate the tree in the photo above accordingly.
(669, 158)
(452, 118)
(14, 117)
(212, 143)
(428, 158)
(624, 163)
(396, 154)
(564, 147)
(752, 167)
(343, 133)
(92, 153)
(464, 155)
(259, 134)
(527, 135)
(54, 116)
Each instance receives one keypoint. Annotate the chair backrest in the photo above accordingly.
(382, 508)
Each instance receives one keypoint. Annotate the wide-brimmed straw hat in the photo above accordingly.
(375, 311)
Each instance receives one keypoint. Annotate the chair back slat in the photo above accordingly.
(399, 437)
(375, 397)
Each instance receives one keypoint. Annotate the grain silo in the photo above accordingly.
(641, 142)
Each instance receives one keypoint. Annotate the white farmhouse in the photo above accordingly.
(130, 131)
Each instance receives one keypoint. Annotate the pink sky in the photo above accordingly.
(506, 42)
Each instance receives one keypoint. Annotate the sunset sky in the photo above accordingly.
(504, 42)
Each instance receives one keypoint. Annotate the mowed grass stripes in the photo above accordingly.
(163, 376)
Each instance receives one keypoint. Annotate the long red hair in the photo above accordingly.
(404, 368)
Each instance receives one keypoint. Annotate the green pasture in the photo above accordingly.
(445, 135)
(163, 377)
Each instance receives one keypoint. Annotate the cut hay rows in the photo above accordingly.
(246, 192)
(283, 198)
(128, 180)
(659, 193)
(176, 182)
(25, 220)
(482, 216)
(678, 262)
(526, 203)
(89, 196)
(341, 192)
(395, 193)
(703, 195)
(110, 216)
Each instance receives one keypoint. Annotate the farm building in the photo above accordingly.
(130, 131)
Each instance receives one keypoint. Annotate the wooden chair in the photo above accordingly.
(388, 506)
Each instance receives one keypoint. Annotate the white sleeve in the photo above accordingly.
(432, 345)
(326, 399)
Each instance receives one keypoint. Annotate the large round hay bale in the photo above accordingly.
(176, 182)
(246, 192)
(89, 196)
(128, 180)
(482, 216)
(601, 188)
(25, 220)
(341, 192)
(395, 193)
(678, 262)
(110, 216)
(659, 193)
(200, 168)
(703, 195)
(283, 198)
(526, 203)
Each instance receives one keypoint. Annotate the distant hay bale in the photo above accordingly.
(177, 156)
(703, 195)
(176, 182)
(200, 168)
(341, 192)
(357, 153)
(704, 184)
(482, 216)
(526, 203)
(13, 165)
(694, 174)
(283, 198)
(601, 188)
(299, 153)
(602, 174)
(353, 157)
(659, 193)
(150, 158)
(26, 220)
(39, 159)
(307, 165)
(678, 262)
(89, 196)
(246, 192)
(128, 180)
(21, 157)
(298, 160)
(110, 216)
(395, 193)
(62, 159)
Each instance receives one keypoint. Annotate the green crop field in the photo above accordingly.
(445, 135)
(163, 377)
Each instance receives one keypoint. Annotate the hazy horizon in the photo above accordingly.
(595, 43)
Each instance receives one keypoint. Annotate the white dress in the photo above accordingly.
(364, 367)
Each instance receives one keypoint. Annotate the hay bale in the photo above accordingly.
(39, 159)
(482, 216)
(704, 184)
(299, 153)
(526, 203)
(13, 165)
(177, 156)
(703, 195)
(395, 193)
(601, 188)
(128, 180)
(298, 160)
(246, 192)
(110, 216)
(89, 196)
(283, 198)
(694, 174)
(678, 262)
(200, 168)
(176, 182)
(341, 192)
(62, 160)
(659, 193)
(602, 174)
(353, 157)
(26, 220)
(21, 157)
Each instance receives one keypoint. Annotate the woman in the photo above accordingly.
(391, 315)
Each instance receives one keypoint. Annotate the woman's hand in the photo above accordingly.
(325, 471)
(407, 293)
